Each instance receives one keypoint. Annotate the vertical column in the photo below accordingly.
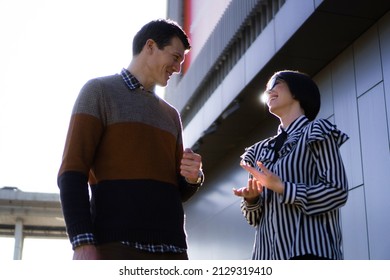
(18, 249)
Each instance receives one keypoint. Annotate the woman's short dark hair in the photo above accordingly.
(161, 31)
(303, 89)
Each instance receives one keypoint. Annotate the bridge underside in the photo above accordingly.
(27, 214)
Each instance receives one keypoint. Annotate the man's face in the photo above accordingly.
(167, 61)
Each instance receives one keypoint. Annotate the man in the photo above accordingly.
(126, 144)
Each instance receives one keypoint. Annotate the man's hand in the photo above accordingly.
(191, 166)
(86, 252)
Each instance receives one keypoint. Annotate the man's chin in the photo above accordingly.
(164, 84)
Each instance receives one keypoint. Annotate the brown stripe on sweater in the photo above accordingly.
(128, 151)
(122, 151)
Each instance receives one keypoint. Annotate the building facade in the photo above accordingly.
(237, 45)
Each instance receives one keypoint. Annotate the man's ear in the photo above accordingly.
(150, 45)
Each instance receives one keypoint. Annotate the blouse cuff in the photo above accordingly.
(293, 193)
(251, 206)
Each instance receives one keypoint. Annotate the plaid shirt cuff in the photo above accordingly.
(83, 239)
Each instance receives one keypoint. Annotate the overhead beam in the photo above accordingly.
(28, 214)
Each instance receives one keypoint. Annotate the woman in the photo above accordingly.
(297, 181)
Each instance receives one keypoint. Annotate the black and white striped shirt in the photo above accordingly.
(305, 219)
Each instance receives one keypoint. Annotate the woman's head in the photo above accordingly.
(302, 88)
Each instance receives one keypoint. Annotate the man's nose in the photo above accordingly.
(177, 68)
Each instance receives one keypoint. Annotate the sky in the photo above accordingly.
(48, 50)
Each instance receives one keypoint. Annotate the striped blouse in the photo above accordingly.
(305, 219)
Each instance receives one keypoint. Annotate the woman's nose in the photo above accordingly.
(265, 95)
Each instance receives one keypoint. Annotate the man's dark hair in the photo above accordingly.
(161, 31)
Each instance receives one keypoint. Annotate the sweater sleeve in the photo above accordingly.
(83, 137)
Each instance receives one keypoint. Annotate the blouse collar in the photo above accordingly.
(297, 124)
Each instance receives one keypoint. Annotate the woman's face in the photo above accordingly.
(279, 98)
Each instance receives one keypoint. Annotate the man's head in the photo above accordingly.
(160, 31)
(159, 50)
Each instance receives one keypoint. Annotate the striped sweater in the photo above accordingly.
(127, 146)
(305, 219)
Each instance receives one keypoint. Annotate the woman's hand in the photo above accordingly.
(251, 192)
(265, 177)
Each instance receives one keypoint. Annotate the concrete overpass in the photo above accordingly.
(30, 214)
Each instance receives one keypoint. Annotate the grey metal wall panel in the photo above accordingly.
(324, 82)
(354, 225)
(226, 236)
(368, 61)
(290, 18)
(376, 169)
(384, 38)
(346, 114)
(216, 228)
